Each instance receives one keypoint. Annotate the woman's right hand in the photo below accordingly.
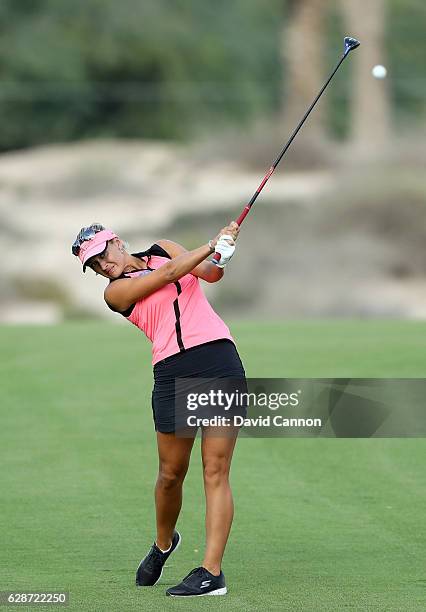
(230, 230)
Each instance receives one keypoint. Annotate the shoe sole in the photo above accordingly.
(221, 591)
(161, 573)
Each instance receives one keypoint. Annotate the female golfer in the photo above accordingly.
(158, 291)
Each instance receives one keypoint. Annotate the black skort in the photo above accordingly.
(214, 360)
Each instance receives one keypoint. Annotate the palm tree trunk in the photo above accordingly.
(370, 105)
(302, 53)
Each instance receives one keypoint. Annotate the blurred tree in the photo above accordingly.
(91, 68)
(370, 103)
(166, 69)
(406, 49)
(302, 51)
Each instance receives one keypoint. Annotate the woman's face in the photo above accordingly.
(110, 263)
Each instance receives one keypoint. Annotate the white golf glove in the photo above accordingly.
(225, 250)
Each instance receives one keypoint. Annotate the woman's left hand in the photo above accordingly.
(225, 247)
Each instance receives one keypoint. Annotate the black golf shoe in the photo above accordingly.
(151, 567)
(199, 582)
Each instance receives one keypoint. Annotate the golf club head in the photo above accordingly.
(350, 44)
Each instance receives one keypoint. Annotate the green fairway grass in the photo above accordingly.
(320, 524)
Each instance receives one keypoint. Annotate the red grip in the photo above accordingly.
(243, 215)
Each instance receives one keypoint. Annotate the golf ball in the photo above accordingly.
(379, 72)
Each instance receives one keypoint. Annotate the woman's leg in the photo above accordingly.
(173, 454)
(217, 454)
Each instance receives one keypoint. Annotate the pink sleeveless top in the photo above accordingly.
(177, 316)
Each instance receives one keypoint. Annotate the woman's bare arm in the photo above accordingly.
(205, 270)
(124, 292)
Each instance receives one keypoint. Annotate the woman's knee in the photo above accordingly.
(170, 477)
(215, 471)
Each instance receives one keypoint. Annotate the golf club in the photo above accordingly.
(349, 44)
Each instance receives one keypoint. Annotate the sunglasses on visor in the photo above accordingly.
(85, 234)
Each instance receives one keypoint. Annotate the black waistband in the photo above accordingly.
(171, 358)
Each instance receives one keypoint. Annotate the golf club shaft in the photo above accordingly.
(248, 206)
(286, 147)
